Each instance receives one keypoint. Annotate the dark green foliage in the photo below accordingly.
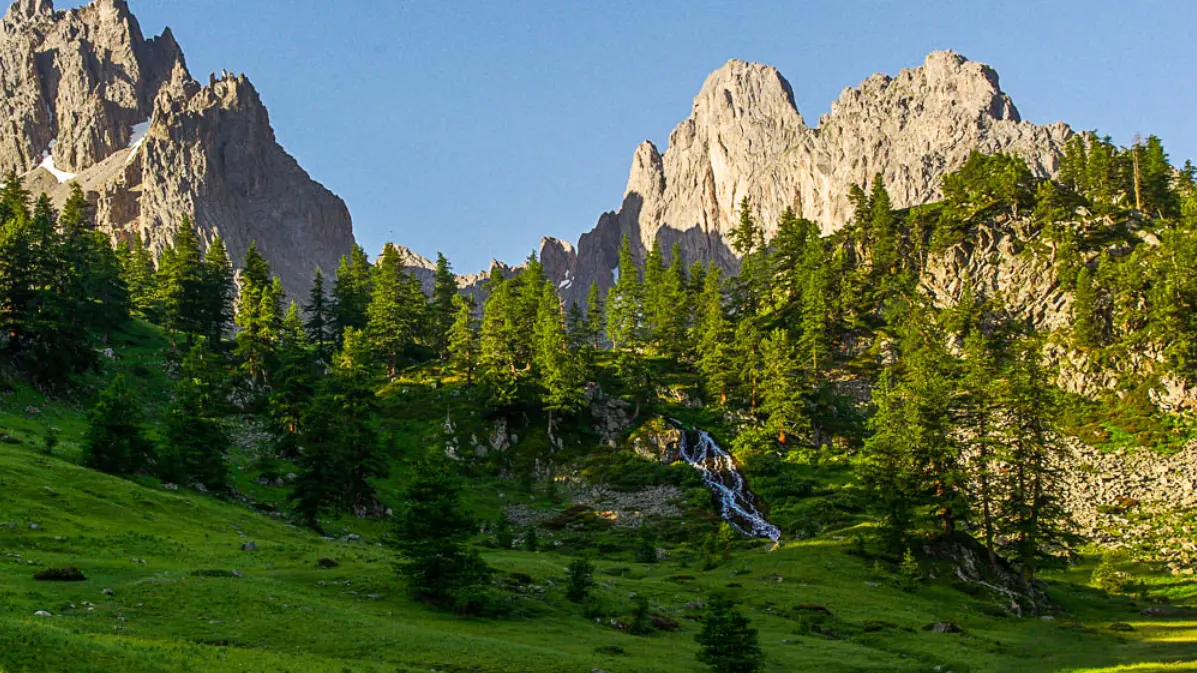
(259, 316)
(396, 309)
(218, 290)
(580, 577)
(195, 433)
(115, 442)
(351, 293)
(318, 321)
(623, 306)
(462, 338)
(728, 643)
(642, 623)
(442, 307)
(60, 575)
(431, 533)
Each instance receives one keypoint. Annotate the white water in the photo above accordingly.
(725, 481)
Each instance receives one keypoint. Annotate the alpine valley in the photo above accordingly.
(910, 389)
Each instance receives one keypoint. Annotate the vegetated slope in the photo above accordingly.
(186, 595)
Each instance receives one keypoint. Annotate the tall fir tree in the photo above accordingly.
(218, 293)
(318, 318)
(463, 338)
(195, 431)
(624, 304)
(115, 441)
(442, 308)
(351, 293)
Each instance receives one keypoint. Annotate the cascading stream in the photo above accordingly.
(725, 481)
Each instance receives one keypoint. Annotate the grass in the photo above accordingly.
(186, 597)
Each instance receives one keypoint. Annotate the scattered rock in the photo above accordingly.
(32, 411)
(249, 546)
(327, 562)
(663, 622)
(108, 592)
(42, 613)
(943, 627)
(1120, 627)
(171, 487)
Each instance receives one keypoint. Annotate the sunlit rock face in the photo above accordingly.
(745, 138)
(87, 99)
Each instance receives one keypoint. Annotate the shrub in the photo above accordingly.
(60, 575)
(581, 578)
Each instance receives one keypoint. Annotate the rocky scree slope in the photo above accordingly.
(87, 99)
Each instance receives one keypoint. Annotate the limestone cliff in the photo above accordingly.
(745, 138)
(88, 99)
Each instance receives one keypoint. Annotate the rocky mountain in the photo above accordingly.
(88, 99)
(746, 138)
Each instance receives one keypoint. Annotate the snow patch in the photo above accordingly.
(564, 284)
(48, 164)
(137, 139)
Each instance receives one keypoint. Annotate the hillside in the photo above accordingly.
(186, 597)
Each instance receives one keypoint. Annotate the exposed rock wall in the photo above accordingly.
(121, 116)
(745, 138)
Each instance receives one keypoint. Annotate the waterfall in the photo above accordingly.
(725, 481)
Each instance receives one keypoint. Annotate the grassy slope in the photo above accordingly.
(285, 614)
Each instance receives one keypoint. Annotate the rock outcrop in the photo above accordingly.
(745, 138)
(88, 99)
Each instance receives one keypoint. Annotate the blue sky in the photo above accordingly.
(474, 128)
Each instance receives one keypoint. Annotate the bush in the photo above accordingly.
(1107, 577)
(327, 562)
(581, 578)
(60, 575)
(909, 571)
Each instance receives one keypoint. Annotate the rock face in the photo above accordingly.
(745, 138)
(88, 99)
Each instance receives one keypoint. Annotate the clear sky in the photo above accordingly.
(474, 128)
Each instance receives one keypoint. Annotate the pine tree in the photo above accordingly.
(886, 464)
(748, 241)
(463, 338)
(259, 315)
(183, 284)
(580, 578)
(444, 289)
(1037, 530)
(713, 338)
(139, 277)
(655, 310)
(1084, 300)
(431, 532)
(194, 431)
(115, 440)
(980, 422)
(351, 293)
(292, 382)
(728, 643)
(394, 310)
(218, 293)
(595, 317)
(318, 321)
(498, 356)
(624, 303)
(782, 387)
(559, 368)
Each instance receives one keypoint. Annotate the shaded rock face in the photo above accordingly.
(745, 138)
(122, 116)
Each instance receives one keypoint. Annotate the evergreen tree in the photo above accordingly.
(351, 293)
(139, 274)
(443, 309)
(1037, 530)
(713, 338)
(624, 303)
(1084, 309)
(980, 422)
(318, 321)
(393, 311)
(782, 387)
(463, 338)
(115, 440)
(218, 292)
(748, 241)
(183, 291)
(559, 368)
(728, 644)
(498, 356)
(258, 315)
(431, 532)
(194, 430)
(292, 382)
(580, 578)
(595, 317)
